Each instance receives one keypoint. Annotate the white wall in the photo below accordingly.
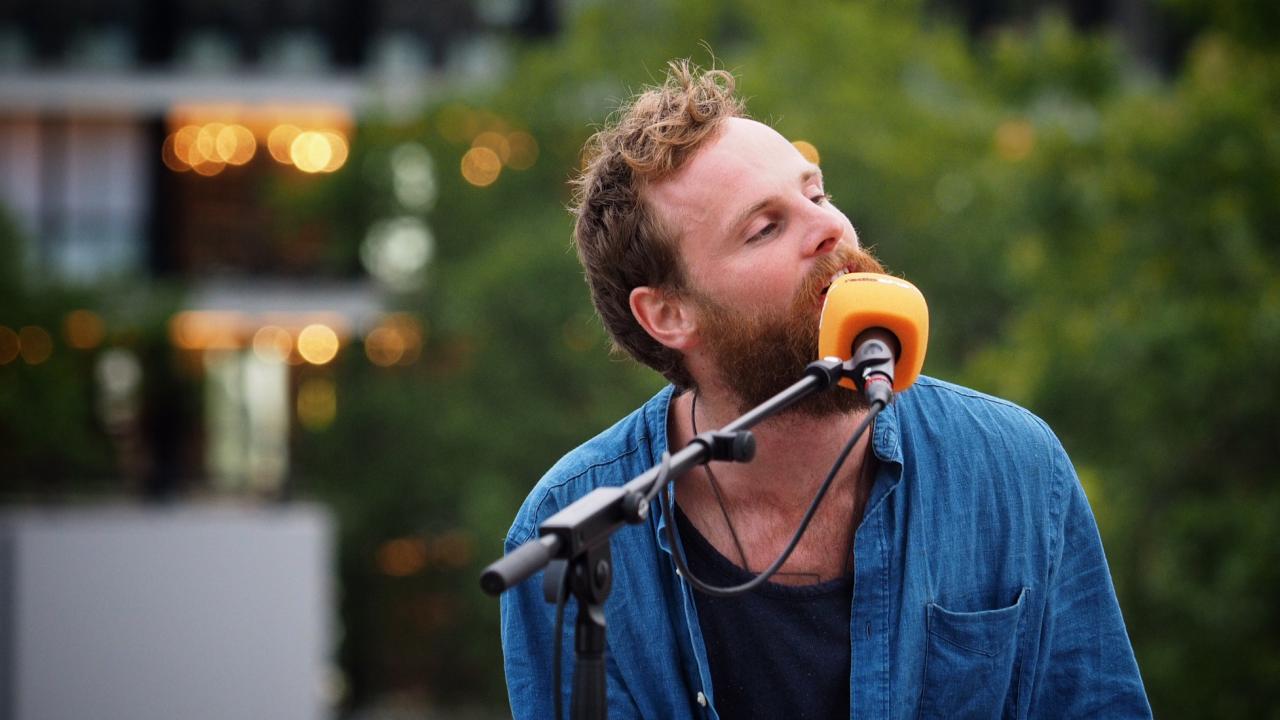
(190, 613)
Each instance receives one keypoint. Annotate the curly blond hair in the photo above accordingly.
(620, 241)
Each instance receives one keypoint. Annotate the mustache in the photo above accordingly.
(844, 256)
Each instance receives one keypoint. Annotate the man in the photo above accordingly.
(953, 570)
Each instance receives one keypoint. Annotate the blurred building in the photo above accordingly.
(136, 140)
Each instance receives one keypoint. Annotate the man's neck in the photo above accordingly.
(794, 450)
(761, 503)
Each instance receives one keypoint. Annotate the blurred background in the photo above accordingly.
(290, 322)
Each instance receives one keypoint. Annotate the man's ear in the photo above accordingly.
(665, 316)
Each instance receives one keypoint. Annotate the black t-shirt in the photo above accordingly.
(778, 651)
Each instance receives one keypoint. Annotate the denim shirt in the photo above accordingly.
(980, 584)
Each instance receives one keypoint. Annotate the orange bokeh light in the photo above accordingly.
(384, 346)
(339, 151)
(9, 345)
(481, 166)
(402, 557)
(280, 140)
(1015, 140)
(272, 343)
(317, 151)
(83, 329)
(524, 150)
(497, 142)
(35, 344)
(169, 155)
(318, 344)
(235, 145)
(808, 150)
(206, 330)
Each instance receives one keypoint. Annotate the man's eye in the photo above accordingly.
(821, 198)
(764, 232)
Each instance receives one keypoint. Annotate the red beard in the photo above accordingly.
(757, 356)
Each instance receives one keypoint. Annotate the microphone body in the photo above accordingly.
(865, 308)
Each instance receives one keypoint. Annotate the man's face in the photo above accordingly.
(760, 242)
(759, 355)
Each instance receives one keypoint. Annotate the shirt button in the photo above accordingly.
(702, 699)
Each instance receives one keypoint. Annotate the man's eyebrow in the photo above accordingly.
(812, 172)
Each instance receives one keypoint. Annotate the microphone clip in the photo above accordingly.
(871, 367)
(735, 446)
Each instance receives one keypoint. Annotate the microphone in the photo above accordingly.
(879, 321)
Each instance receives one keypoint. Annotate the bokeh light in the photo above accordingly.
(413, 176)
(83, 329)
(169, 155)
(207, 167)
(397, 251)
(35, 344)
(452, 549)
(273, 344)
(1015, 139)
(183, 142)
(481, 166)
(338, 151)
(206, 330)
(524, 150)
(808, 150)
(497, 142)
(206, 144)
(402, 557)
(397, 340)
(317, 403)
(317, 344)
(488, 120)
(235, 145)
(384, 346)
(9, 345)
(280, 140)
(411, 333)
(119, 376)
(207, 138)
(310, 152)
(315, 151)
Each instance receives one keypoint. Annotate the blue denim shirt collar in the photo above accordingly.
(885, 443)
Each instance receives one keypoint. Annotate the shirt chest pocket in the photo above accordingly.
(972, 661)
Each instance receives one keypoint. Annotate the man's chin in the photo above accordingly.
(830, 404)
(827, 404)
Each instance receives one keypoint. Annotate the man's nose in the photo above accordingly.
(824, 229)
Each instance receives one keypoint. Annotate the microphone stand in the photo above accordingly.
(575, 541)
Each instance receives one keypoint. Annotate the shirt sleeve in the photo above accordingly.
(1086, 663)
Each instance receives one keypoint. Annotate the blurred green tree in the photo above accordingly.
(1148, 331)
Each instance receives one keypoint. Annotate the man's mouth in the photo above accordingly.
(831, 281)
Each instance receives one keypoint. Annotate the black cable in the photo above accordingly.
(561, 599)
(660, 480)
(668, 506)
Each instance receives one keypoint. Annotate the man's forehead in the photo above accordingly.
(710, 183)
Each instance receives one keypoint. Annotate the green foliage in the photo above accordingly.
(1252, 22)
(1148, 335)
(1095, 244)
(50, 442)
